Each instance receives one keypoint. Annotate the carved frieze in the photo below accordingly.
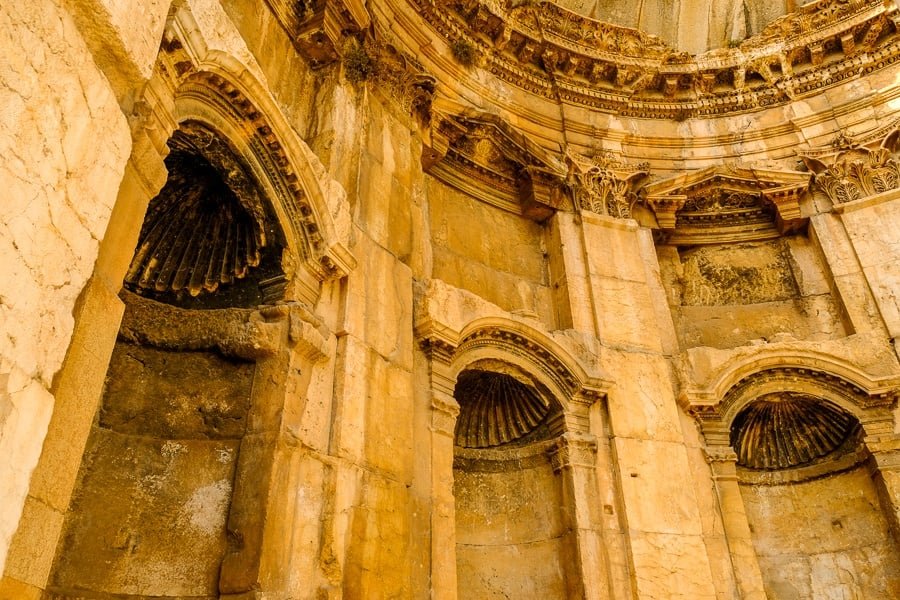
(548, 50)
(605, 185)
(856, 169)
(726, 204)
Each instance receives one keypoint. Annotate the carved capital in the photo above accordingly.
(444, 411)
(572, 451)
(605, 185)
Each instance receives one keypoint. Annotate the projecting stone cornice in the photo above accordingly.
(727, 203)
(551, 52)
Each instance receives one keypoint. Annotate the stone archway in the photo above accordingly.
(794, 452)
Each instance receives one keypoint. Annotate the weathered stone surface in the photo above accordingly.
(509, 188)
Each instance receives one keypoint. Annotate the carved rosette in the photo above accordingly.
(855, 170)
(605, 185)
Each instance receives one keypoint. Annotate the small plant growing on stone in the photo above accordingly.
(464, 52)
(358, 65)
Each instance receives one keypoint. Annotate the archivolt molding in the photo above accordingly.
(217, 90)
(506, 340)
(805, 373)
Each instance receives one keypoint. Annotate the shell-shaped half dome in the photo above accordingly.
(495, 409)
(205, 228)
(780, 431)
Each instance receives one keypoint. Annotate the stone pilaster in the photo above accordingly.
(723, 461)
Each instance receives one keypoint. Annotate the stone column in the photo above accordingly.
(574, 457)
(723, 461)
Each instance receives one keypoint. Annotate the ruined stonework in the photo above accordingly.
(476, 299)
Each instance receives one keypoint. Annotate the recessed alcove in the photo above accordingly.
(208, 239)
(511, 537)
(149, 514)
(816, 519)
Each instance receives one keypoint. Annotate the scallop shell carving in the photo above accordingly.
(495, 408)
(781, 431)
(204, 229)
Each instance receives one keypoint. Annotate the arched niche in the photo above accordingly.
(515, 417)
(176, 470)
(511, 533)
(816, 509)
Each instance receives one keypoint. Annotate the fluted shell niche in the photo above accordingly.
(497, 409)
(786, 430)
(209, 239)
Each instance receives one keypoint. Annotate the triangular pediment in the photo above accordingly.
(728, 203)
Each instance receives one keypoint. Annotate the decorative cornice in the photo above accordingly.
(552, 52)
(317, 27)
(728, 203)
(486, 158)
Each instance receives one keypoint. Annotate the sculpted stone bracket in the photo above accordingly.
(398, 76)
(852, 169)
(550, 51)
(728, 204)
(317, 27)
(487, 159)
(605, 185)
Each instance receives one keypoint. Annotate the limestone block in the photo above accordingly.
(671, 567)
(78, 391)
(825, 538)
(657, 487)
(832, 238)
(379, 305)
(309, 419)
(373, 423)
(296, 553)
(642, 402)
(621, 307)
(33, 547)
(507, 507)
(472, 229)
(613, 248)
(123, 36)
(25, 408)
(60, 184)
(150, 516)
(378, 561)
(523, 571)
(808, 266)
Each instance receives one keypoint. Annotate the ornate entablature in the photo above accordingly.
(852, 169)
(317, 27)
(487, 159)
(727, 204)
(605, 185)
(550, 51)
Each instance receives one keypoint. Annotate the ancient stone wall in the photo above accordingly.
(399, 205)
